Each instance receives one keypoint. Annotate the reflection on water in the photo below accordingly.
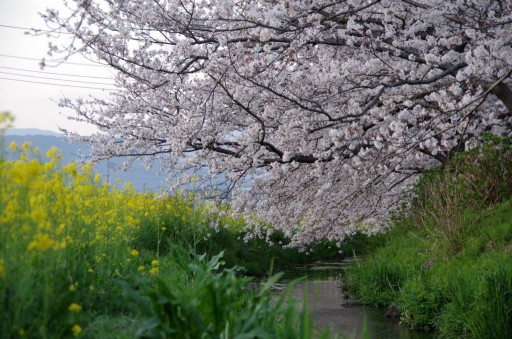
(330, 306)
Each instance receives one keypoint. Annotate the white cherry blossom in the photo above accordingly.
(330, 108)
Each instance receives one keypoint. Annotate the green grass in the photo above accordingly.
(451, 275)
(467, 294)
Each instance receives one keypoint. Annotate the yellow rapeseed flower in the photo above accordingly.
(13, 146)
(134, 253)
(60, 229)
(49, 166)
(42, 242)
(141, 268)
(51, 152)
(38, 215)
(71, 169)
(153, 270)
(155, 262)
(76, 329)
(54, 153)
(26, 145)
(73, 287)
(32, 169)
(74, 307)
(87, 168)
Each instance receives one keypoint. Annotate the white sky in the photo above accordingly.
(34, 105)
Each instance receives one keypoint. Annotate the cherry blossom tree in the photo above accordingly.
(330, 107)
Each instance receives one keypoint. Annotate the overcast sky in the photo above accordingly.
(28, 94)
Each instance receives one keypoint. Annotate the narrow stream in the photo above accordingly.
(330, 306)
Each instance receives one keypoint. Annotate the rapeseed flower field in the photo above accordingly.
(65, 237)
(79, 258)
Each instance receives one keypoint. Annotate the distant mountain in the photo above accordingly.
(30, 131)
(141, 178)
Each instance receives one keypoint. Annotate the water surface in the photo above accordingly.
(330, 306)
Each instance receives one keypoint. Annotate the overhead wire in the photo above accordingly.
(53, 84)
(54, 61)
(9, 76)
(35, 30)
(55, 73)
(57, 79)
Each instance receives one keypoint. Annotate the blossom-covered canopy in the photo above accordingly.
(330, 107)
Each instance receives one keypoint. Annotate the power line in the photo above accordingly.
(62, 85)
(56, 79)
(56, 61)
(36, 30)
(54, 73)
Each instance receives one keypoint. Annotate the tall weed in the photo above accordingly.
(492, 308)
(448, 200)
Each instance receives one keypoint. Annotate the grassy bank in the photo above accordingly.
(78, 258)
(447, 263)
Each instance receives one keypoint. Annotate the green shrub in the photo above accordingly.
(257, 254)
(211, 302)
(420, 299)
